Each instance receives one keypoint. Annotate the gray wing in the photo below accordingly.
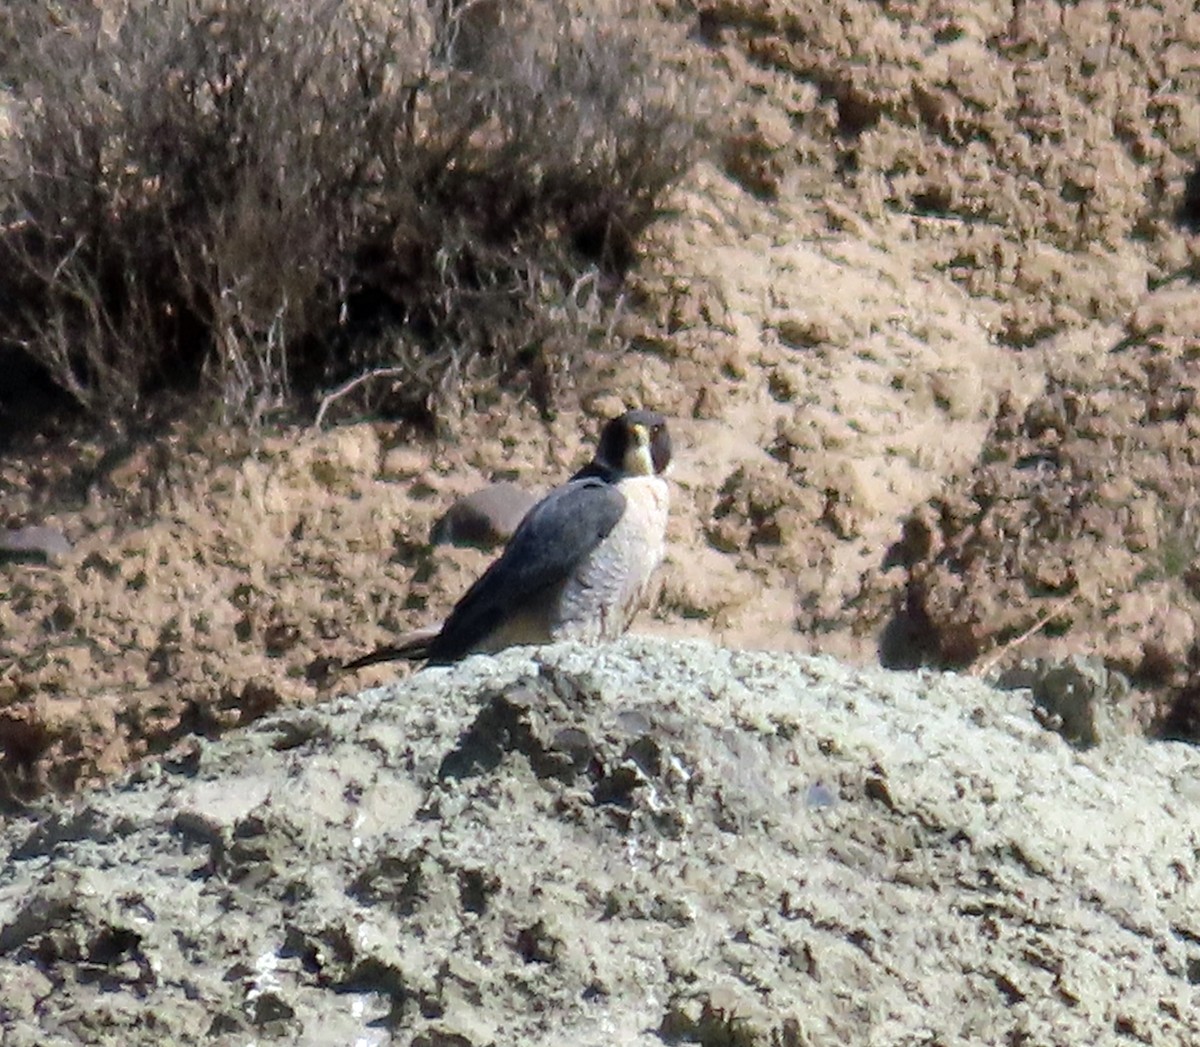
(558, 533)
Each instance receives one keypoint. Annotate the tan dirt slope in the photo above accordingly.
(926, 324)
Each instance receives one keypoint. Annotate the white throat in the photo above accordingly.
(638, 461)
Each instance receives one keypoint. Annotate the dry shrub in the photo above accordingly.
(261, 198)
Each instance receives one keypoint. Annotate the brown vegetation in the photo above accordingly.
(260, 199)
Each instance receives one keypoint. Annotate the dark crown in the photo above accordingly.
(618, 438)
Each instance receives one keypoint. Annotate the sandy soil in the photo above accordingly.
(926, 326)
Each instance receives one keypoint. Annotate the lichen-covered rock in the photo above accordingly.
(620, 845)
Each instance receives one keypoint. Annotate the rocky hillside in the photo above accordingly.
(647, 843)
(926, 323)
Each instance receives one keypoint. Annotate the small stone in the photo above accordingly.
(35, 544)
(484, 519)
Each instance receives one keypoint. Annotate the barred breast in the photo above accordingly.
(603, 595)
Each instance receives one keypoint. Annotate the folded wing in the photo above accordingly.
(561, 531)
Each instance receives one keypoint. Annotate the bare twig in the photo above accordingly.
(354, 383)
(981, 669)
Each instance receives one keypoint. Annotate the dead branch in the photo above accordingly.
(354, 383)
(981, 669)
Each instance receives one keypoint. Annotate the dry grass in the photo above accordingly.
(259, 199)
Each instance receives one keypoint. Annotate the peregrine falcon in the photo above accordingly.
(580, 564)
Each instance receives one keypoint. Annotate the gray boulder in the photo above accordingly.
(642, 843)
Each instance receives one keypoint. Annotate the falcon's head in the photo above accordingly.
(635, 444)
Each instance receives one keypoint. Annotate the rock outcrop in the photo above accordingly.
(644, 843)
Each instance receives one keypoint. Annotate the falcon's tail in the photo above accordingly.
(412, 647)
